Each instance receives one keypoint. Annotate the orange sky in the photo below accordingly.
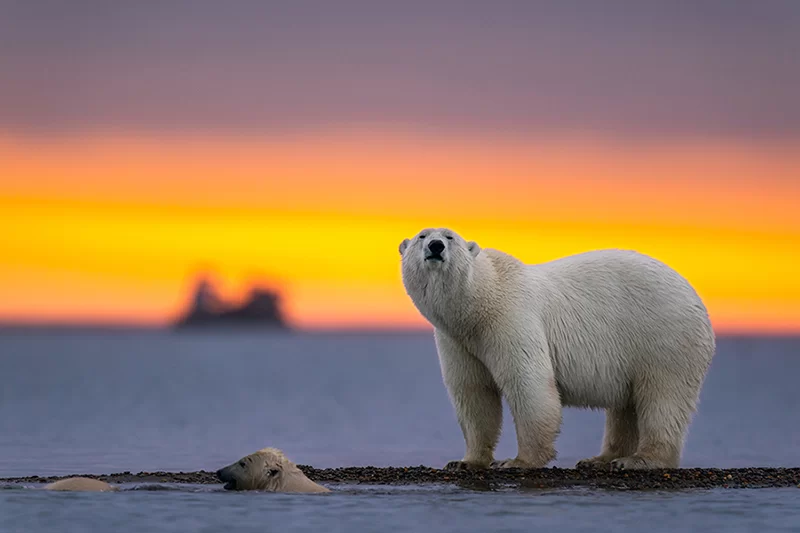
(111, 228)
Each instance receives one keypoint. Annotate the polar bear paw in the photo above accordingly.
(464, 465)
(635, 462)
(511, 463)
(594, 463)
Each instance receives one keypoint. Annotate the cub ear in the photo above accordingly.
(403, 246)
(473, 248)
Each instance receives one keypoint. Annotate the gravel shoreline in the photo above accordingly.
(684, 478)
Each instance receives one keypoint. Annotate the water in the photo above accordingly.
(440, 510)
(73, 403)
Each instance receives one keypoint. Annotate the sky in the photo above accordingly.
(297, 143)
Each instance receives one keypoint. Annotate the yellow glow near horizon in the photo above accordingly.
(110, 229)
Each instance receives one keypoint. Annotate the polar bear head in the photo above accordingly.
(437, 249)
(268, 470)
(439, 268)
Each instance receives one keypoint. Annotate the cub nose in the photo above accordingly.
(436, 246)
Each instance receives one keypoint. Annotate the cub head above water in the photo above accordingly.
(267, 470)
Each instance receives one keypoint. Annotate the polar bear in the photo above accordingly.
(85, 484)
(606, 329)
(269, 470)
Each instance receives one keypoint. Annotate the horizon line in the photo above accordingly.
(364, 329)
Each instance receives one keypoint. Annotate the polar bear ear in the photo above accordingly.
(473, 248)
(403, 246)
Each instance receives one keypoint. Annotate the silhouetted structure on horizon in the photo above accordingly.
(260, 310)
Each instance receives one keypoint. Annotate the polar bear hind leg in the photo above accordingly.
(664, 408)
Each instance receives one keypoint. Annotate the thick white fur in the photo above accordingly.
(269, 470)
(610, 329)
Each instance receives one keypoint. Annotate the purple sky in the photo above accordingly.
(641, 69)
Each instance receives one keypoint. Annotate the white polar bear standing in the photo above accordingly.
(610, 329)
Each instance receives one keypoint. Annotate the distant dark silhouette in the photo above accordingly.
(260, 310)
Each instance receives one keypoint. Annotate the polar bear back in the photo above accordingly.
(615, 317)
(82, 484)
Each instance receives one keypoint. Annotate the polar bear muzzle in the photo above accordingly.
(226, 476)
(434, 250)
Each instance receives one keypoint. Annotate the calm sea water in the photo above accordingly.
(73, 403)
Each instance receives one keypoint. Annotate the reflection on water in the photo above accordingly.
(100, 403)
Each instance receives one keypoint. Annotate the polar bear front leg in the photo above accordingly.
(476, 399)
(620, 439)
(529, 386)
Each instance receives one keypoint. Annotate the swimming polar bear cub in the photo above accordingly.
(269, 470)
(610, 329)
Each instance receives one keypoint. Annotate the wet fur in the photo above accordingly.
(83, 484)
(267, 470)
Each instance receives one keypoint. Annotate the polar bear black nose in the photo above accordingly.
(436, 246)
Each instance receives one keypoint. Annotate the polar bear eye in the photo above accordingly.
(273, 472)
(242, 464)
(449, 237)
(422, 236)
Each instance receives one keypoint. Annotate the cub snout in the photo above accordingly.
(226, 476)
